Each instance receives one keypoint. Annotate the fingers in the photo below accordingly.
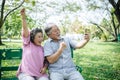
(87, 37)
(42, 71)
(22, 11)
(62, 45)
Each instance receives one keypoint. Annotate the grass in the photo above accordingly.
(11, 45)
(99, 60)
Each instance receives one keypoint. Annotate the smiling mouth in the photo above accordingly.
(58, 35)
(39, 41)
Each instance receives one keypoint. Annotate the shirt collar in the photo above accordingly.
(61, 38)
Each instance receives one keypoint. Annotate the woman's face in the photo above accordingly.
(38, 38)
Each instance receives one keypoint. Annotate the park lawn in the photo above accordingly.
(99, 60)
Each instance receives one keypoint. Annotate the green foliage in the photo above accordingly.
(73, 7)
(77, 26)
(12, 25)
(111, 22)
(33, 3)
(27, 1)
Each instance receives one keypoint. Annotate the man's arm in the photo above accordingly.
(54, 57)
(83, 42)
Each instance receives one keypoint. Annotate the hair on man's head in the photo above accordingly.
(48, 27)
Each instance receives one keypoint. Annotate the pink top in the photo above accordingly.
(32, 59)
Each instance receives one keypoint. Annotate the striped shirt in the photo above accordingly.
(65, 62)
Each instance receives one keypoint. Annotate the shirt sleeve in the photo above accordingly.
(72, 43)
(47, 49)
(25, 40)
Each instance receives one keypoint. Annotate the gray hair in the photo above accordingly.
(48, 28)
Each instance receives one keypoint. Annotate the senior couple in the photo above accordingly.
(55, 55)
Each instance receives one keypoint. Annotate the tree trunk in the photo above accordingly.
(3, 18)
(1, 24)
(116, 6)
(117, 14)
(1, 41)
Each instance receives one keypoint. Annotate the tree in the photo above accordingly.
(77, 27)
(116, 6)
(4, 14)
(12, 25)
(111, 12)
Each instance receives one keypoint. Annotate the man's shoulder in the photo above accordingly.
(66, 38)
(47, 41)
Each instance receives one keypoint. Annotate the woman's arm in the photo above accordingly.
(24, 23)
(46, 63)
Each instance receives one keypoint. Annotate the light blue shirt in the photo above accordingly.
(65, 62)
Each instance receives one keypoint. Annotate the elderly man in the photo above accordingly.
(58, 53)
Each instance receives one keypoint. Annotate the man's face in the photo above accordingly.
(54, 33)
